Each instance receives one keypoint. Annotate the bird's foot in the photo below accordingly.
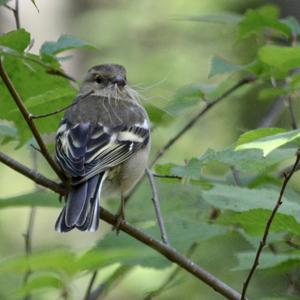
(120, 218)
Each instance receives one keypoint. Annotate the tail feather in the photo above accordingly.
(82, 208)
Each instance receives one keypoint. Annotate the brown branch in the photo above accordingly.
(167, 251)
(31, 174)
(26, 115)
(268, 226)
(192, 122)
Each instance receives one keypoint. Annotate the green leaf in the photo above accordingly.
(221, 66)
(188, 96)
(52, 260)
(269, 143)
(267, 260)
(253, 135)
(225, 18)
(156, 114)
(281, 58)
(17, 40)
(272, 93)
(3, 2)
(293, 24)
(241, 199)
(43, 281)
(264, 18)
(7, 130)
(254, 221)
(32, 81)
(40, 198)
(65, 42)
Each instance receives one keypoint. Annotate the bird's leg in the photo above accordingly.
(121, 214)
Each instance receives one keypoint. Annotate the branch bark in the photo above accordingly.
(268, 226)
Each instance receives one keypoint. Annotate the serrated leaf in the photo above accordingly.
(272, 93)
(17, 40)
(188, 96)
(43, 281)
(254, 222)
(281, 58)
(267, 260)
(264, 18)
(32, 82)
(269, 143)
(241, 199)
(64, 42)
(220, 66)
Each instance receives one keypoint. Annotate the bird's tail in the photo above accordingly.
(82, 208)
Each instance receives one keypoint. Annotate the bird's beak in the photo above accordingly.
(119, 80)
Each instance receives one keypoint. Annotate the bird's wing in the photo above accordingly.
(84, 150)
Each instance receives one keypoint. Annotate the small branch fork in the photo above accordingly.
(263, 241)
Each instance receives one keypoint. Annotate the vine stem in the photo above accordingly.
(263, 241)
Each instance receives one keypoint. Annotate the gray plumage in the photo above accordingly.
(102, 144)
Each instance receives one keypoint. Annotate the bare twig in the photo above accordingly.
(61, 109)
(26, 115)
(167, 251)
(236, 175)
(90, 286)
(167, 176)
(15, 12)
(192, 122)
(31, 174)
(156, 204)
(29, 230)
(268, 226)
(101, 291)
(172, 276)
(273, 115)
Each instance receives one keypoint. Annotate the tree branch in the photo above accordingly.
(192, 122)
(167, 251)
(26, 115)
(268, 226)
(31, 174)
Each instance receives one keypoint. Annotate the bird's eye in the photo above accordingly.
(99, 79)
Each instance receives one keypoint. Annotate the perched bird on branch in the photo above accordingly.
(102, 145)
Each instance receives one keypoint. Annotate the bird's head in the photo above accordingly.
(108, 80)
(105, 76)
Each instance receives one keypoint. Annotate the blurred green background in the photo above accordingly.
(162, 53)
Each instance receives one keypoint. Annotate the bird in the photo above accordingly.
(102, 146)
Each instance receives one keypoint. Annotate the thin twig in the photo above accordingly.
(61, 109)
(156, 204)
(267, 227)
(16, 15)
(26, 115)
(236, 175)
(29, 230)
(167, 176)
(101, 291)
(90, 286)
(31, 174)
(172, 276)
(192, 122)
(167, 251)
(291, 112)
